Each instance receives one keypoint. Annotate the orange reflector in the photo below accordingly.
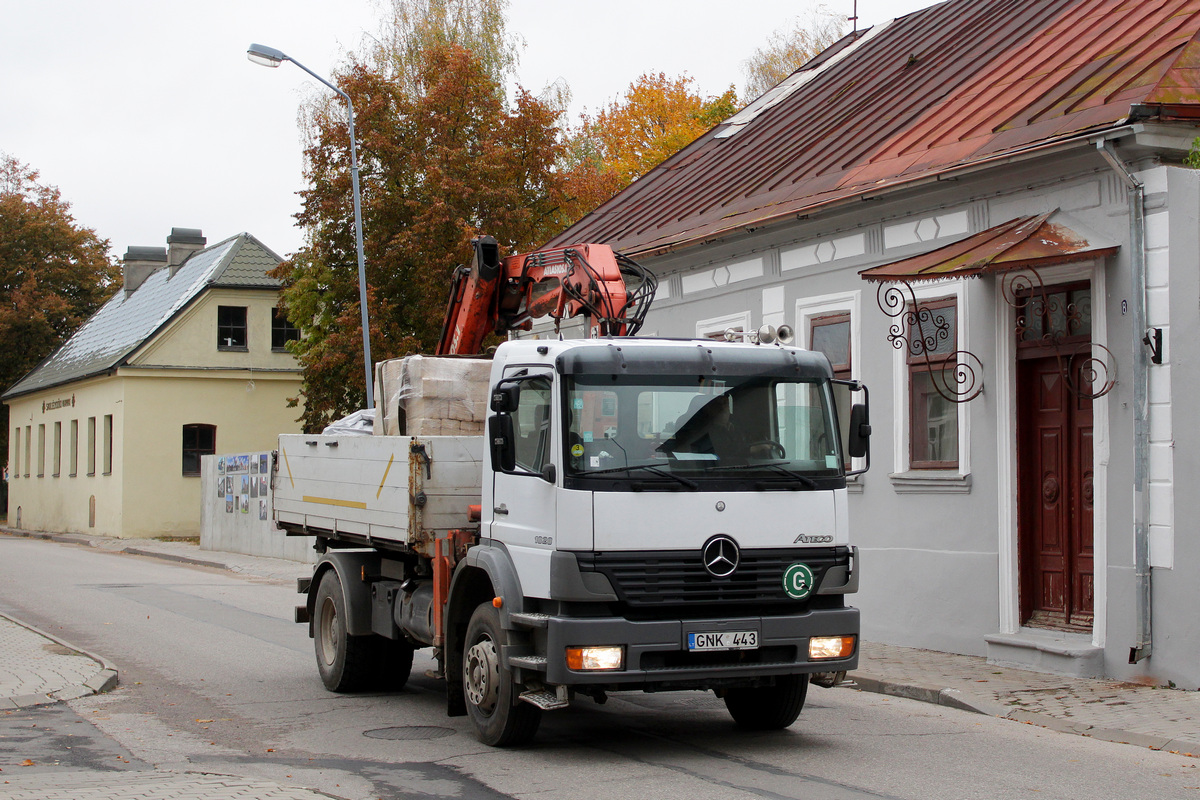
(828, 647)
(497, 602)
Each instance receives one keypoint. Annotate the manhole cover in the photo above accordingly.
(410, 732)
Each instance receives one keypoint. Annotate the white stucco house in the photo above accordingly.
(981, 210)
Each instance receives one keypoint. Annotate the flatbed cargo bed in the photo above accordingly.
(391, 492)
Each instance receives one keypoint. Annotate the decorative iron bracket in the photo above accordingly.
(1089, 378)
(918, 330)
(1153, 340)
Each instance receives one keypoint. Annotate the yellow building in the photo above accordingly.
(187, 359)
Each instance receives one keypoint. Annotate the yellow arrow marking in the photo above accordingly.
(388, 469)
(289, 467)
(329, 501)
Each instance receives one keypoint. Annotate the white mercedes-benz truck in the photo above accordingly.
(630, 515)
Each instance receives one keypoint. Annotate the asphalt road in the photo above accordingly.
(215, 677)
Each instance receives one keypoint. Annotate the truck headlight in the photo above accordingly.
(824, 647)
(595, 658)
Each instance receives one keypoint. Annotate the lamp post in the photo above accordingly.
(270, 57)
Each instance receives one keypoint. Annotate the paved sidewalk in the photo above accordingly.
(36, 668)
(1161, 719)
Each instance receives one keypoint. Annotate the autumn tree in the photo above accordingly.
(787, 49)
(54, 273)
(444, 158)
(656, 118)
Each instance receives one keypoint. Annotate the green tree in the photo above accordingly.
(787, 49)
(54, 273)
(444, 158)
(656, 118)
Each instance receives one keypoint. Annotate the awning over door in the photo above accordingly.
(1022, 243)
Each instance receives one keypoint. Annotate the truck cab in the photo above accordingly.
(656, 515)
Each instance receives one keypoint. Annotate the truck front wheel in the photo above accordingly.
(488, 685)
(344, 661)
(768, 708)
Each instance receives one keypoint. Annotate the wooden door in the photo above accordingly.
(1054, 466)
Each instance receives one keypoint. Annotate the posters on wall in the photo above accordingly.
(252, 471)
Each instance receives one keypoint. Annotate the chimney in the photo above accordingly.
(181, 244)
(139, 263)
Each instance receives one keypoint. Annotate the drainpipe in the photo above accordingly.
(1141, 407)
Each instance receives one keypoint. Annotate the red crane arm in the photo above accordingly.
(506, 294)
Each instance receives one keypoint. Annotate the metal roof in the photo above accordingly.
(1020, 243)
(128, 320)
(953, 84)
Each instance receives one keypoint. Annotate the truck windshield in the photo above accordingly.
(649, 428)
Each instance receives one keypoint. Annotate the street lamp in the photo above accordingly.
(270, 57)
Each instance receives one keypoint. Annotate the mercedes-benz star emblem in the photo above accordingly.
(720, 556)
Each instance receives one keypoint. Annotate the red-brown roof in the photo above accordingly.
(953, 84)
(1020, 243)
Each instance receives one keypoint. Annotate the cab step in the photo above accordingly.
(546, 699)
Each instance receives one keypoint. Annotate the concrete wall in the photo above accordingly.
(226, 527)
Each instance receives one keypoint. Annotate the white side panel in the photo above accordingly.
(360, 484)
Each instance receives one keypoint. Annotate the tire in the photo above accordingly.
(768, 708)
(345, 662)
(393, 663)
(489, 688)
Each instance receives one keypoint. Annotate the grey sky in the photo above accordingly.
(147, 114)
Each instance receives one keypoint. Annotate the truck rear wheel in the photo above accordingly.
(488, 685)
(344, 661)
(768, 708)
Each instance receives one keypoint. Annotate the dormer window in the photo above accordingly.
(231, 328)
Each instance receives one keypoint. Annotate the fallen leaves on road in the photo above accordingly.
(27, 762)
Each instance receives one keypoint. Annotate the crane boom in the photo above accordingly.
(506, 294)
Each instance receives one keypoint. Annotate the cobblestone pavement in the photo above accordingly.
(1164, 719)
(36, 668)
(90, 785)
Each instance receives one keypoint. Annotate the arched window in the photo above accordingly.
(198, 440)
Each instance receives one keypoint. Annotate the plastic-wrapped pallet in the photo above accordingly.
(431, 396)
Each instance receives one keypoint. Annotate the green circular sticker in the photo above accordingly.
(798, 581)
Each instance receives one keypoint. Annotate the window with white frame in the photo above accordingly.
(931, 438)
(933, 414)
(829, 324)
(716, 327)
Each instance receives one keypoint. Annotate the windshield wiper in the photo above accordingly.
(657, 470)
(777, 466)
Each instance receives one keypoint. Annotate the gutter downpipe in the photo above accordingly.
(1142, 647)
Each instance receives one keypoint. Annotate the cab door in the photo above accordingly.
(524, 497)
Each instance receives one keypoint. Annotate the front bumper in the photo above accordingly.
(656, 653)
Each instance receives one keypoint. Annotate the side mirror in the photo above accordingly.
(502, 439)
(859, 443)
(505, 397)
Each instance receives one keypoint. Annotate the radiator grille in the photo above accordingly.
(650, 579)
